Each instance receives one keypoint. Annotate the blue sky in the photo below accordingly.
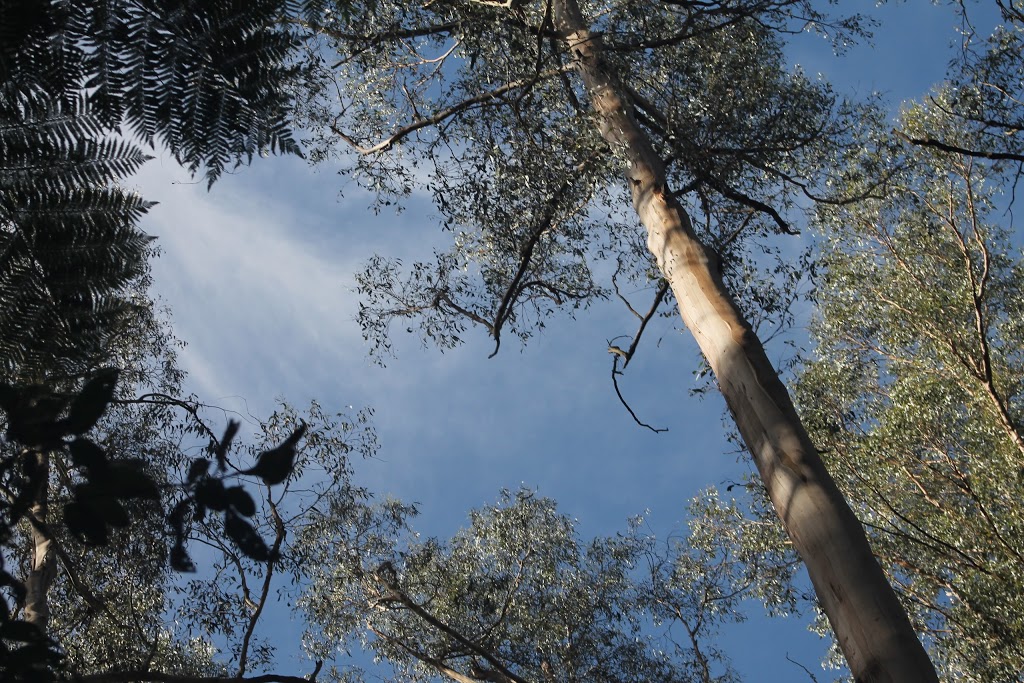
(258, 274)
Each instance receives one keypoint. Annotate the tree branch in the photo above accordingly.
(443, 297)
(448, 112)
(945, 147)
(397, 34)
(756, 204)
(615, 382)
(426, 659)
(400, 596)
(280, 533)
(644, 319)
(525, 257)
(163, 677)
(190, 407)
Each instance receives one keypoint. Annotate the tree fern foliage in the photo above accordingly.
(206, 78)
(68, 241)
(82, 84)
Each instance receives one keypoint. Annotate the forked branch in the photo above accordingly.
(397, 595)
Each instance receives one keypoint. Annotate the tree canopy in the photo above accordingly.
(517, 595)
(916, 386)
(535, 127)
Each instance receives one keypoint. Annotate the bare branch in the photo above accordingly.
(644, 319)
(756, 204)
(615, 372)
(808, 671)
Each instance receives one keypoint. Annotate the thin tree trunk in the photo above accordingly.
(44, 563)
(870, 624)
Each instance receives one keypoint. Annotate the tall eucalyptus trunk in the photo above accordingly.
(870, 624)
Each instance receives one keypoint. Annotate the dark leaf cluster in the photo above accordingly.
(82, 84)
(68, 241)
(42, 421)
(206, 492)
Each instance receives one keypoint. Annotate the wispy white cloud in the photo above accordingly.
(259, 288)
(258, 275)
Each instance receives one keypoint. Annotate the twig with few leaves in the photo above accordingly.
(618, 392)
(627, 355)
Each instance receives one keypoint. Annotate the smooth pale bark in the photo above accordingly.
(870, 624)
(44, 564)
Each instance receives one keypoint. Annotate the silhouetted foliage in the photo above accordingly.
(41, 420)
(207, 492)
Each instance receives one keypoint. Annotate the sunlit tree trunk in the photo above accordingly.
(870, 625)
(44, 565)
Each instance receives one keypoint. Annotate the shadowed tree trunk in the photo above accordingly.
(44, 565)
